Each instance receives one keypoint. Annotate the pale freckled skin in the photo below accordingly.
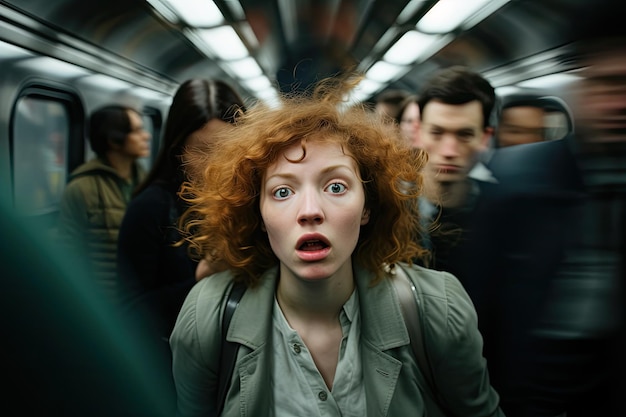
(312, 207)
(312, 213)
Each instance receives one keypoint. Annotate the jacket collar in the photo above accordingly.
(383, 324)
(250, 323)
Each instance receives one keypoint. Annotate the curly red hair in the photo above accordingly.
(224, 222)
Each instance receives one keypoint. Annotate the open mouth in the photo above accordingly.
(313, 245)
(313, 250)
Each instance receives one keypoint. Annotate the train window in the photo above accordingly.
(557, 125)
(40, 146)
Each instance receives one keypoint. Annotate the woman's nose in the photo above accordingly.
(310, 208)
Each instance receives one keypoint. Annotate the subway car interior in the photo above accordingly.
(61, 59)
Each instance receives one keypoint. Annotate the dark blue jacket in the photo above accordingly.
(548, 279)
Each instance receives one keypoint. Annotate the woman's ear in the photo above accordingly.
(365, 217)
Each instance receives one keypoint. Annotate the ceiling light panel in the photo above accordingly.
(224, 42)
(410, 47)
(447, 15)
(197, 13)
(383, 71)
(245, 68)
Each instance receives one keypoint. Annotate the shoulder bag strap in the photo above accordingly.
(229, 349)
(409, 304)
(407, 294)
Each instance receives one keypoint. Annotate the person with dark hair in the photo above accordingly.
(529, 117)
(387, 103)
(408, 119)
(97, 193)
(521, 119)
(556, 247)
(455, 109)
(312, 209)
(155, 274)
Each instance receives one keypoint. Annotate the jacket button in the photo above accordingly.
(297, 348)
(322, 395)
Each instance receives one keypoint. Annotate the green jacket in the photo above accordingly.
(390, 372)
(91, 212)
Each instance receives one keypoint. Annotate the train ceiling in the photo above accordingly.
(295, 42)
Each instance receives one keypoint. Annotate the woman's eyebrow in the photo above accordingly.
(329, 169)
(338, 167)
(280, 175)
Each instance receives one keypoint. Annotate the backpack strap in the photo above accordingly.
(410, 306)
(229, 349)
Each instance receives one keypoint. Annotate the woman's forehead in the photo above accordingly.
(314, 144)
(320, 153)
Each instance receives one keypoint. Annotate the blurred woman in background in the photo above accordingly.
(409, 119)
(154, 275)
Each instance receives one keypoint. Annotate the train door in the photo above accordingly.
(46, 143)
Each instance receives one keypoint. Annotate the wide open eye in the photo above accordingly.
(336, 188)
(282, 193)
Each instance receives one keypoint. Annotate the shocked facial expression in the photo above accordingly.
(313, 209)
(453, 136)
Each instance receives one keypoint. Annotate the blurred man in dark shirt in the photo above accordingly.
(555, 250)
(455, 108)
